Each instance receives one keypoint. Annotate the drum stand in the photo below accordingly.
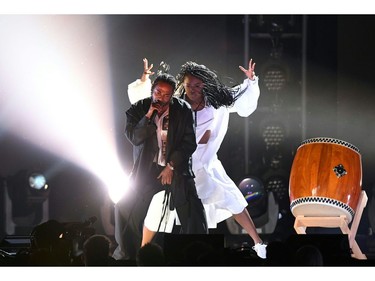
(302, 222)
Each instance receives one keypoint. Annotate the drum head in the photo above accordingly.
(331, 141)
(321, 207)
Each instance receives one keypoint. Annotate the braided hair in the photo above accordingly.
(215, 93)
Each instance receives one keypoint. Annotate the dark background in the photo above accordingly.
(326, 91)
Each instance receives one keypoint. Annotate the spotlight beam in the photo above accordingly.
(56, 91)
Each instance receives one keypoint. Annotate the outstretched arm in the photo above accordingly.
(141, 88)
(248, 101)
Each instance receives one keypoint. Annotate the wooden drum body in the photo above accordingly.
(325, 179)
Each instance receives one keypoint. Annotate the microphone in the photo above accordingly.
(153, 115)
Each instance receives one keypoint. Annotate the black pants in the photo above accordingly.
(192, 215)
(131, 211)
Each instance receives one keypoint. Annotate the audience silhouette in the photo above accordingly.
(48, 246)
(150, 254)
(308, 255)
(200, 253)
(96, 251)
(51, 246)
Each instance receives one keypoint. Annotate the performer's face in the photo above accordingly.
(193, 88)
(162, 93)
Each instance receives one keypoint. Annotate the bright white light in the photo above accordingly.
(118, 187)
(37, 181)
(55, 89)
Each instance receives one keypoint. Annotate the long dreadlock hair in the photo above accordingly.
(215, 92)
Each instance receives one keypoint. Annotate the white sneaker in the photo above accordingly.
(260, 249)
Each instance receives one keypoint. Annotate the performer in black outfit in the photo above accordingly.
(161, 130)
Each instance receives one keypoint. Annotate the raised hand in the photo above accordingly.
(250, 73)
(146, 70)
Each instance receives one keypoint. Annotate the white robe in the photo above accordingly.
(219, 194)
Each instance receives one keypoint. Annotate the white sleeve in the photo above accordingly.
(248, 102)
(139, 90)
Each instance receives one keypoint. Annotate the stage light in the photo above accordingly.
(262, 207)
(274, 78)
(26, 201)
(253, 190)
(278, 185)
(27, 189)
(273, 131)
(38, 181)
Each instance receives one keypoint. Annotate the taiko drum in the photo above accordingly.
(325, 179)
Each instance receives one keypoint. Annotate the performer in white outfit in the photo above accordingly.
(212, 102)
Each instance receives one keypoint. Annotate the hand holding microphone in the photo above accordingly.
(153, 111)
(153, 115)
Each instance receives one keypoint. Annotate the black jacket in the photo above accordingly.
(181, 144)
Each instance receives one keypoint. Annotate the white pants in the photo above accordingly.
(159, 217)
